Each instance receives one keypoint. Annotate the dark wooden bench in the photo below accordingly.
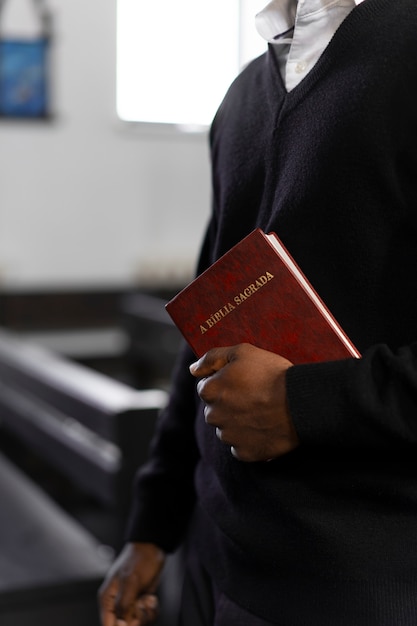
(153, 340)
(95, 432)
(91, 428)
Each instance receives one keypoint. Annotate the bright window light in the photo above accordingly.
(175, 60)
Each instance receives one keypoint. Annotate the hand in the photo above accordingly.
(244, 390)
(127, 596)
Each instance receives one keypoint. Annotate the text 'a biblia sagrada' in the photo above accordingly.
(246, 293)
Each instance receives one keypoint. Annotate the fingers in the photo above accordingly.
(244, 391)
(143, 611)
(211, 362)
(127, 595)
(206, 368)
(146, 609)
(135, 610)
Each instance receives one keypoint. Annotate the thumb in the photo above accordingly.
(211, 362)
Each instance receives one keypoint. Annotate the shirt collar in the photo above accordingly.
(276, 21)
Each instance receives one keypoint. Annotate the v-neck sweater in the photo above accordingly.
(325, 535)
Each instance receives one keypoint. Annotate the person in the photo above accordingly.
(295, 486)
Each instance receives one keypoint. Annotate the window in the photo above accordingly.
(175, 59)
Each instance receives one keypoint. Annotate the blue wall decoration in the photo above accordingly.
(24, 70)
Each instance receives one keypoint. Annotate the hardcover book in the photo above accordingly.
(256, 293)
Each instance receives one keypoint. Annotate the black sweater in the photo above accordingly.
(326, 535)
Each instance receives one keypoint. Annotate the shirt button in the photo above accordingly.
(300, 67)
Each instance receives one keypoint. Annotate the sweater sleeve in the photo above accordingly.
(163, 495)
(357, 403)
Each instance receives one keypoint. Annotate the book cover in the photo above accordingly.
(256, 293)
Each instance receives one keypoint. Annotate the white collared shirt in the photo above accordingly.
(300, 31)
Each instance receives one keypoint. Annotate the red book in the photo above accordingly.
(256, 293)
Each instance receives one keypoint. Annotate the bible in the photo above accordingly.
(256, 293)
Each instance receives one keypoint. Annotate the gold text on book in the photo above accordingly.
(238, 300)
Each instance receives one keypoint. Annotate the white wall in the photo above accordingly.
(86, 201)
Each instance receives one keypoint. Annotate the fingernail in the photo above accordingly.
(152, 602)
(193, 367)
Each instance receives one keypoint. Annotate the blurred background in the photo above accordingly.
(105, 107)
